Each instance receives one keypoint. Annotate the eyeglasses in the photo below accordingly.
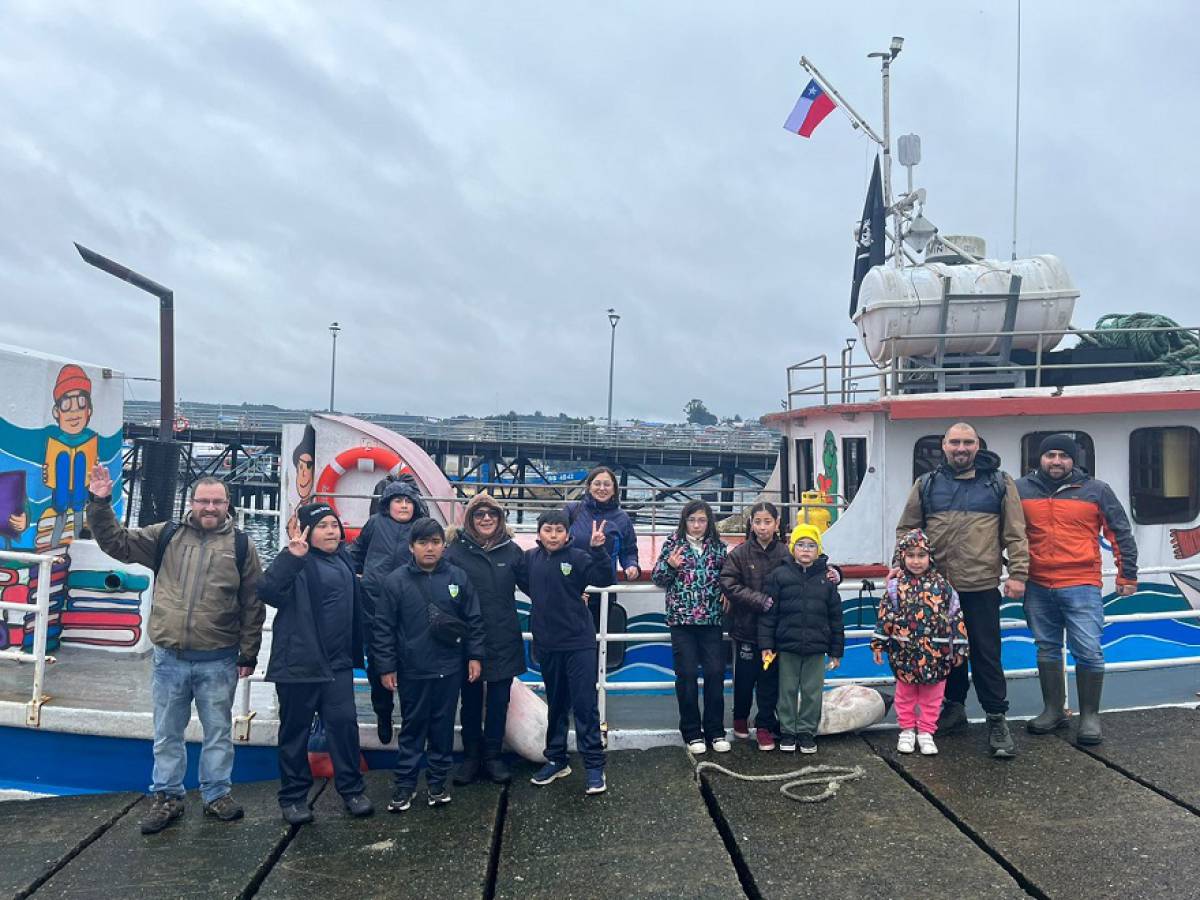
(485, 514)
(196, 501)
(806, 545)
(68, 402)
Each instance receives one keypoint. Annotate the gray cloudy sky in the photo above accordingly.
(467, 187)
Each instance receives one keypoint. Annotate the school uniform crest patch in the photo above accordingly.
(454, 592)
(565, 567)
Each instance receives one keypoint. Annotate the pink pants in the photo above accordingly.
(928, 697)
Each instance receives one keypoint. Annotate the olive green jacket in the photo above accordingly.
(201, 601)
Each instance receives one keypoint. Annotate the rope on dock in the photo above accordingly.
(832, 777)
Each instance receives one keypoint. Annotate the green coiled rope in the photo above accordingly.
(1174, 352)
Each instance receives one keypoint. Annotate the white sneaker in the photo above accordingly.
(696, 747)
(907, 742)
(720, 745)
(928, 747)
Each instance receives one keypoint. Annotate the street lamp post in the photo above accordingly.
(166, 334)
(160, 459)
(613, 319)
(334, 328)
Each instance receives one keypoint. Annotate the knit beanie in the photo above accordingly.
(308, 515)
(1062, 442)
(804, 530)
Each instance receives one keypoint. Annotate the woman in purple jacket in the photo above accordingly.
(601, 503)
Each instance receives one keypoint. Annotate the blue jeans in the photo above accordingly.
(1079, 610)
(211, 684)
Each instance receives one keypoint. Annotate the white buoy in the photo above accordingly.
(850, 707)
(525, 730)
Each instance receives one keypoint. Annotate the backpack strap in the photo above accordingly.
(925, 490)
(241, 549)
(164, 538)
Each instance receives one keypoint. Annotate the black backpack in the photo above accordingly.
(241, 546)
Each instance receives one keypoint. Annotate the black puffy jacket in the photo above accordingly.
(493, 574)
(806, 617)
(744, 578)
(382, 545)
(297, 654)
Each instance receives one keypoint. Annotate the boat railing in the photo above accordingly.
(41, 628)
(821, 381)
(245, 714)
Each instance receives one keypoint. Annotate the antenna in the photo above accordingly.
(1017, 142)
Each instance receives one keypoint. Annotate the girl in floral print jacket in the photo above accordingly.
(920, 627)
(689, 569)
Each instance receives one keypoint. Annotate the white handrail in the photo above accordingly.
(41, 627)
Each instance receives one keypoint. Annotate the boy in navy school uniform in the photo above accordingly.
(554, 575)
(404, 642)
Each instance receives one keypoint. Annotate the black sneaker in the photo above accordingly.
(953, 717)
(439, 796)
(402, 798)
(1000, 742)
(468, 770)
(297, 814)
(787, 744)
(358, 806)
(807, 743)
(163, 811)
(224, 808)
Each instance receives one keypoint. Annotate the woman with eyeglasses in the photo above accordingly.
(483, 548)
(602, 503)
(689, 570)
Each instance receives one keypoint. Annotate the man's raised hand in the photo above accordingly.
(100, 483)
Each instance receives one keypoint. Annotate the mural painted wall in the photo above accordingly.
(57, 419)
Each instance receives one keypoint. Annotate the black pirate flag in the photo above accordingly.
(869, 248)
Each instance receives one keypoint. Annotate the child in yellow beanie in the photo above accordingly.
(803, 625)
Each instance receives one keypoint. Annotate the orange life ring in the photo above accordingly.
(361, 459)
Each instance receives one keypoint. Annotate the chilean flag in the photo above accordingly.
(813, 106)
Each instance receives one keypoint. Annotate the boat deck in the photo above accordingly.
(1118, 820)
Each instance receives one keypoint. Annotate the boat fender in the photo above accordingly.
(851, 707)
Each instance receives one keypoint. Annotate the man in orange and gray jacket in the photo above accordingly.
(1066, 510)
(972, 514)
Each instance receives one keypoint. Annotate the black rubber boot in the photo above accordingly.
(953, 717)
(1000, 742)
(497, 769)
(1054, 685)
(468, 770)
(1089, 683)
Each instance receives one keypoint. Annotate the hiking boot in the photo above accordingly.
(402, 798)
(163, 811)
(1053, 715)
(1000, 742)
(953, 717)
(741, 729)
(383, 728)
(297, 814)
(496, 769)
(806, 743)
(439, 796)
(596, 783)
(907, 742)
(1089, 683)
(925, 742)
(224, 808)
(468, 770)
(358, 806)
(766, 740)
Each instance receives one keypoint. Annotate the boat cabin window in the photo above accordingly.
(804, 464)
(854, 465)
(1032, 441)
(1163, 483)
(927, 454)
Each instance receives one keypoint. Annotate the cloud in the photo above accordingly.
(467, 188)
